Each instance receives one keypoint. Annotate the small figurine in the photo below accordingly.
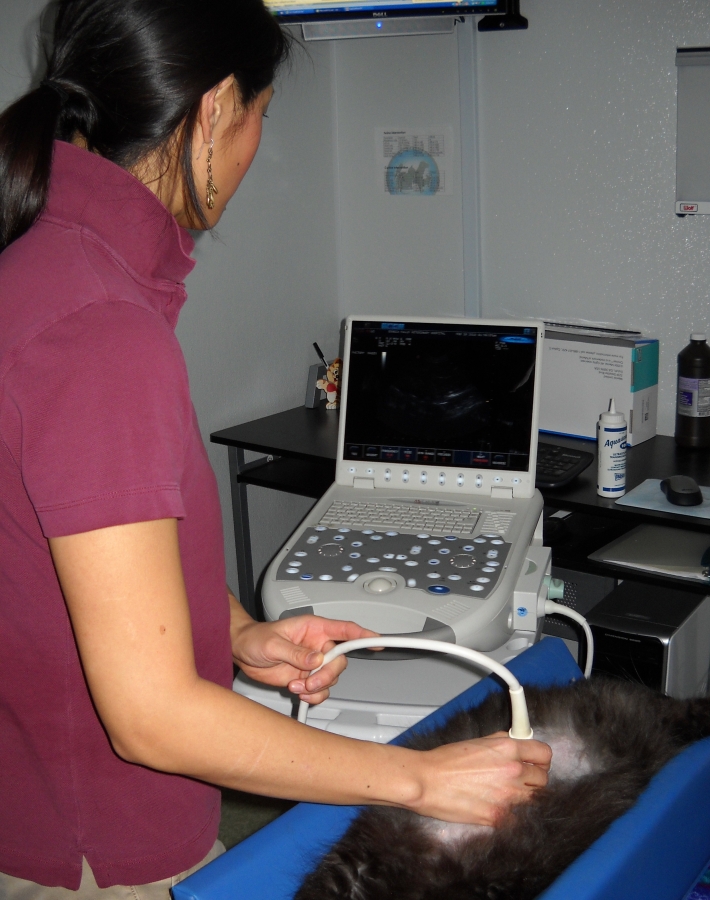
(331, 384)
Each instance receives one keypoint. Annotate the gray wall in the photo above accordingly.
(571, 126)
(577, 146)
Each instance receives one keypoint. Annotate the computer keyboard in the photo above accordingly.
(557, 466)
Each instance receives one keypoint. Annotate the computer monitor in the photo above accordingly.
(323, 19)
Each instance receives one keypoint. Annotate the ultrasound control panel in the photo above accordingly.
(439, 565)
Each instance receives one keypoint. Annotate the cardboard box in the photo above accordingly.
(581, 372)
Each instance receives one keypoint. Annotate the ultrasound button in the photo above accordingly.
(321, 528)
(434, 562)
(411, 582)
(498, 542)
(411, 562)
(450, 537)
(479, 540)
(330, 550)
(356, 544)
(325, 578)
(338, 537)
(347, 568)
(344, 530)
(462, 561)
(387, 569)
(401, 556)
(477, 587)
(433, 575)
(355, 555)
(376, 537)
(353, 577)
(295, 564)
(306, 576)
(367, 531)
(391, 533)
(415, 549)
(483, 580)
(444, 551)
(469, 548)
(300, 553)
(373, 559)
(388, 555)
(488, 535)
(422, 537)
(493, 564)
(491, 554)
(453, 578)
(434, 541)
(488, 569)
(313, 539)
(438, 589)
(292, 571)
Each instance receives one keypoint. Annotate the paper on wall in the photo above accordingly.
(414, 161)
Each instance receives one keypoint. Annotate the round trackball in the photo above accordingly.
(380, 585)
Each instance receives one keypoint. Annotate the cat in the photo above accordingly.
(608, 740)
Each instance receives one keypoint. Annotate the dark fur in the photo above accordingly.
(628, 733)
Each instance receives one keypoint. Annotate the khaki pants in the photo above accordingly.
(19, 889)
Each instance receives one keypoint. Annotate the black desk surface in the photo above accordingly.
(299, 433)
(312, 434)
(304, 444)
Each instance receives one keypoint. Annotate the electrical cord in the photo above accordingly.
(552, 608)
(520, 728)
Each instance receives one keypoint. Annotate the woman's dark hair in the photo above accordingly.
(127, 77)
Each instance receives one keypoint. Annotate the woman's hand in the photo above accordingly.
(283, 653)
(477, 781)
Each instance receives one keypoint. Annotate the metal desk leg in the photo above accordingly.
(242, 536)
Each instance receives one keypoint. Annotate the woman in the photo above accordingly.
(118, 633)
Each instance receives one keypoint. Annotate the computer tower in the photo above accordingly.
(653, 635)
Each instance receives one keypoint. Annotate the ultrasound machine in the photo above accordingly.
(433, 527)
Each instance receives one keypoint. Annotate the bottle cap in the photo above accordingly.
(697, 336)
(612, 417)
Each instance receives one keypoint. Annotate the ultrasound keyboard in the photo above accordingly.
(406, 515)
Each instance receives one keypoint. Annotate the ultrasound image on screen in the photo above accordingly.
(441, 394)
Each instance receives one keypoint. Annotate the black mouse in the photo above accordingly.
(682, 490)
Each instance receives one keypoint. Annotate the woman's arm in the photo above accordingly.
(126, 598)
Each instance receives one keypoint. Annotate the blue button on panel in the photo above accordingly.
(438, 589)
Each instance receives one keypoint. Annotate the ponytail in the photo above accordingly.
(27, 131)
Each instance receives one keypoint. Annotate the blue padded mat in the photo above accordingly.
(657, 850)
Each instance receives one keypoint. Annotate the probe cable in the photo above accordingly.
(520, 727)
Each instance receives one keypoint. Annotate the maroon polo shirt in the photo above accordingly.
(96, 429)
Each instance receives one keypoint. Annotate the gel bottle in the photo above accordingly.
(692, 419)
(611, 453)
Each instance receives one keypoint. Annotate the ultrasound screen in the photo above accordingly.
(434, 394)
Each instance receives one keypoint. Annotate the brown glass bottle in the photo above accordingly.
(692, 420)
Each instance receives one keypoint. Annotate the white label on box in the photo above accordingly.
(578, 380)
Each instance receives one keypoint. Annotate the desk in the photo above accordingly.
(300, 449)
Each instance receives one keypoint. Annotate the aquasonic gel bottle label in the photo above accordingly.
(694, 397)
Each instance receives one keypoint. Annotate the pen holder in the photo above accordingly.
(315, 374)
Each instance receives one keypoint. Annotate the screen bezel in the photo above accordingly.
(388, 11)
(477, 481)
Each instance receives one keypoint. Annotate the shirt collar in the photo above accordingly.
(90, 191)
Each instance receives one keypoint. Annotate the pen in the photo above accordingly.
(320, 354)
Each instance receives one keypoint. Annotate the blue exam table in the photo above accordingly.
(657, 851)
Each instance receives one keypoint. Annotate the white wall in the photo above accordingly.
(577, 123)
(400, 254)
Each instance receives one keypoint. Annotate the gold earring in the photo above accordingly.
(211, 188)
